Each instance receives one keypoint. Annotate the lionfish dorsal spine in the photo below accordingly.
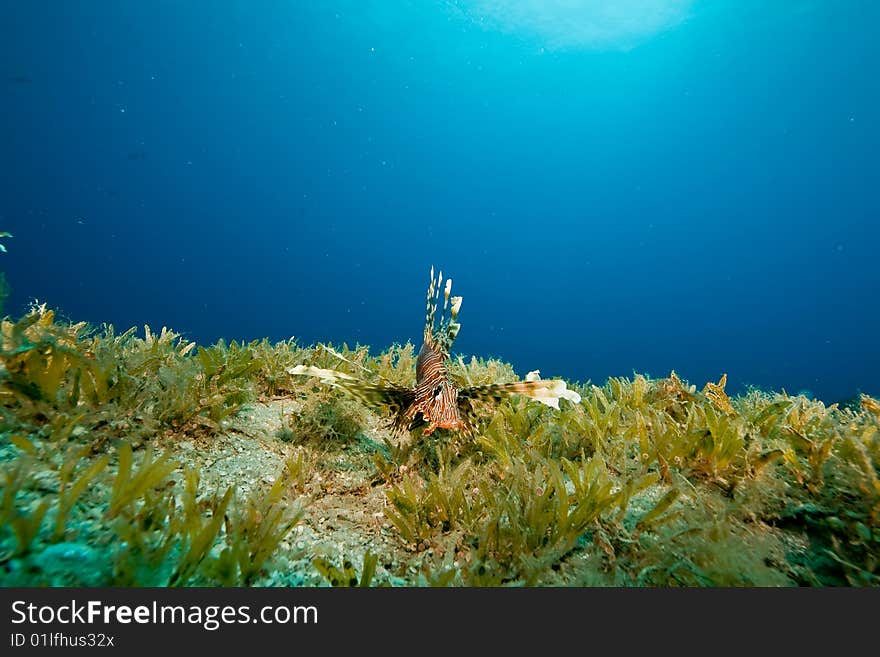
(441, 334)
(431, 307)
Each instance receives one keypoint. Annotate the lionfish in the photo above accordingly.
(437, 401)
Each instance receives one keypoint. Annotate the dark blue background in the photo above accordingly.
(703, 199)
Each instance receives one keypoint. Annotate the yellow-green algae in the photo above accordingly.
(646, 482)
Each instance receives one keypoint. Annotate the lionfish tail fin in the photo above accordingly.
(385, 395)
(546, 391)
(443, 335)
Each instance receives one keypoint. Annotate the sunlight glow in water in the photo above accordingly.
(581, 24)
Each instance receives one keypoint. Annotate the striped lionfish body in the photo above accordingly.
(437, 401)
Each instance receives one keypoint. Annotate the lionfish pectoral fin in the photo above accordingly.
(418, 421)
(548, 392)
(385, 395)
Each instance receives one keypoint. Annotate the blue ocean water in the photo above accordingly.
(637, 186)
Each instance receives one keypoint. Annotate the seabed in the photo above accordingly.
(144, 459)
